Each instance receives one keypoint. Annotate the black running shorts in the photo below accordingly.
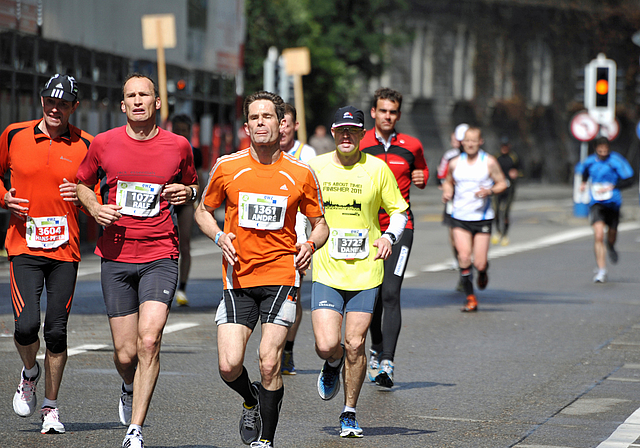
(610, 216)
(272, 304)
(126, 285)
(474, 227)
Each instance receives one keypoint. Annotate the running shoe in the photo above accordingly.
(613, 255)
(261, 444)
(133, 439)
(483, 279)
(329, 379)
(385, 376)
(374, 365)
(495, 239)
(601, 277)
(349, 425)
(125, 406)
(472, 304)
(505, 241)
(51, 421)
(250, 423)
(288, 368)
(24, 400)
(181, 298)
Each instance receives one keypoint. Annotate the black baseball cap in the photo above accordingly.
(348, 116)
(61, 86)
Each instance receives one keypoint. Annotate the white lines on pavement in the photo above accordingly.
(179, 326)
(539, 243)
(80, 349)
(625, 380)
(625, 434)
(451, 419)
(540, 446)
(93, 347)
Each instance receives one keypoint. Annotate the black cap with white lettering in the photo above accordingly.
(61, 86)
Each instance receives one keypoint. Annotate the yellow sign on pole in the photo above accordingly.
(297, 63)
(159, 32)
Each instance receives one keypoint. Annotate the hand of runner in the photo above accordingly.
(13, 204)
(226, 244)
(303, 258)
(417, 177)
(384, 248)
(484, 192)
(107, 214)
(176, 194)
(69, 192)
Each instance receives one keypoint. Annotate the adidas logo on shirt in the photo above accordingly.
(284, 187)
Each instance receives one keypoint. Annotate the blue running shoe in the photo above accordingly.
(287, 366)
(349, 425)
(329, 380)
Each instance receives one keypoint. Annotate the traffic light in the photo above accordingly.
(602, 86)
(600, 89)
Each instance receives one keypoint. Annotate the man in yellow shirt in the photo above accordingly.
(349, 269)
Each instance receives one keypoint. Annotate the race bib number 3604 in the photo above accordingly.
(47, 233)
(138, 198)
(261, 211)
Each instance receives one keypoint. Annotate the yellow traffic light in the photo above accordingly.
(602, 87)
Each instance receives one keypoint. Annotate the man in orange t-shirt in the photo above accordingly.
(43, 239)
(263, 189)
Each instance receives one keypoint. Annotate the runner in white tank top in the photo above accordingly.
(469, 178)
(472, 178)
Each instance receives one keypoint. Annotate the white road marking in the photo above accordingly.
(625, 434)
(92, 347)
(546, 241)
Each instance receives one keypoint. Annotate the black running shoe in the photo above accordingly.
(250, 423)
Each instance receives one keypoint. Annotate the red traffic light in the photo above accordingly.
(181, 84)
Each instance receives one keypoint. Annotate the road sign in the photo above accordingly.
(298, 63)
(159, 32)
(584, 127)
(610, 130)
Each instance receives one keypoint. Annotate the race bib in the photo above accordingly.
(47, 233)
(138, 199)
(261, 211)
(349, 244)
(600, 191)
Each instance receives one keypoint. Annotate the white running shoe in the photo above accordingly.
(374, 365)
(600, 277)
(51, 421)
(125, 406)
(133, 440)
(24, 400)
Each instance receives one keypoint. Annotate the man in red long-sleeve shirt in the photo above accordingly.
(405, 157)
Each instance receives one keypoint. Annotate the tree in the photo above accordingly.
(346, 39)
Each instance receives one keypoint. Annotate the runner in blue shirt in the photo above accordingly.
(609, 173)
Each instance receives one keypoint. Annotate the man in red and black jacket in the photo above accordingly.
(405, 157)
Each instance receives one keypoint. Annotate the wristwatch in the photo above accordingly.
(194, 194)
(391, 236)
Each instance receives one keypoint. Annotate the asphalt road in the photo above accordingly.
(549, 361)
